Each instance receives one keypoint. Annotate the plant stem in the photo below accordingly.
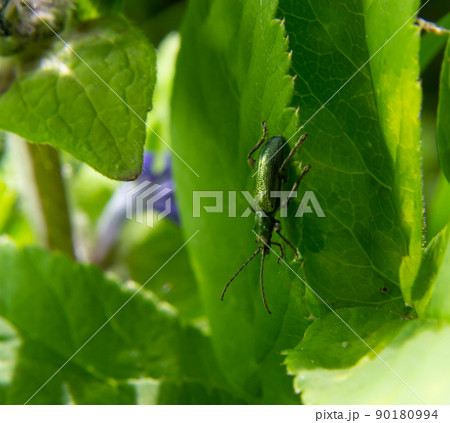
(46, 167)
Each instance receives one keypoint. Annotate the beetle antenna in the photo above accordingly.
(261, 280)
(239, 271)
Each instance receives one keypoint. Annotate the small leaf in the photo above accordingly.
(63, 103)
(430, 268)
(439, 306)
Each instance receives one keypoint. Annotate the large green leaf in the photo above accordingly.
(75, 385)
(56, 306)
(193, 393)
(363, 145)
(232, 75)
(443, 117)
(366, 168)
(329, 343)
(395, 72)
(413, 369)
(62, 102)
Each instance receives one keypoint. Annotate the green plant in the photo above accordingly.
(364, 319)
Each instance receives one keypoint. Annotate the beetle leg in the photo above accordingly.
(250, 160)
(305, 170)
(277, 229)
(281, 257)
(293, 151)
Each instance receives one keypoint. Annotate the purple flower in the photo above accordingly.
(151, 191)
(164, 180)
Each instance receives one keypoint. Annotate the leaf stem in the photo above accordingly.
(46, 167)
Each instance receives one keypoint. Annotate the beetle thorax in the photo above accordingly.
(264, 225)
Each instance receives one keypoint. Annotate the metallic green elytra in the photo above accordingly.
(268, 177)
(271, 175)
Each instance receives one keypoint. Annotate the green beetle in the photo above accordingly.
(271, 175)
